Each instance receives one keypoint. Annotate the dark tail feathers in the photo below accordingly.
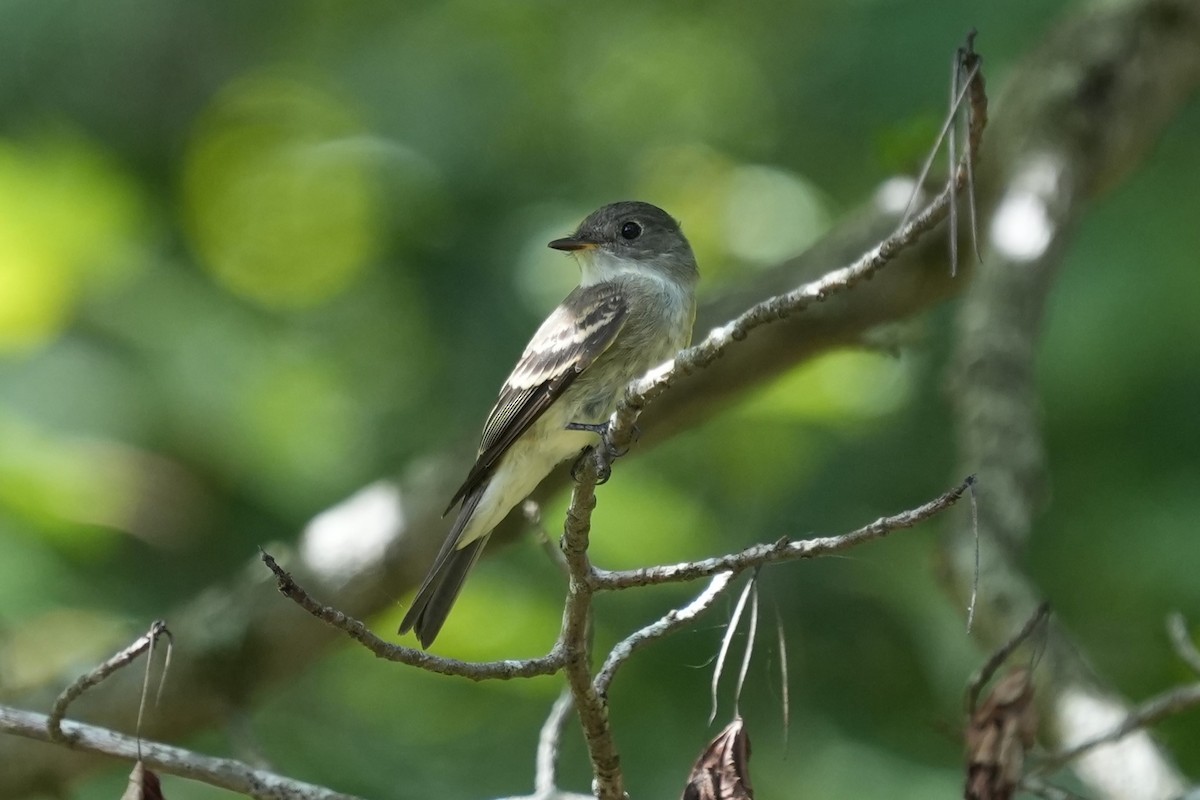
(445, 579)
(437, 594)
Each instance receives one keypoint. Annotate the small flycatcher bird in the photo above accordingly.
(633, 309)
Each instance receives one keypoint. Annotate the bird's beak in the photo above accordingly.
(573, 244)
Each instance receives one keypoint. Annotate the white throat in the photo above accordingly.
(599, 266)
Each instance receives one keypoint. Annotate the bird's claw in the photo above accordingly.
(604, 453)
(604, 431)
(602, 460)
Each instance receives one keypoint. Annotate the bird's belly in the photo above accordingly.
(530, 459)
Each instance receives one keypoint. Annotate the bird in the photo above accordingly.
(633, 309)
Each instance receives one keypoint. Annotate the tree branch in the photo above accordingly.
(782, 550)
(97, 675)
(608, 782)
(224, 773)
(774, 309)
(548, 664)
(674, 619)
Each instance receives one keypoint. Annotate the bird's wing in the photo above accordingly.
(569, 341)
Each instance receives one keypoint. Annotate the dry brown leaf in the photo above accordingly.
(723, 770)
(999, 733)
(143, 784)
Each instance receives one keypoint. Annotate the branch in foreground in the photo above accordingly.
(572, 651)
(96, 676)
(356, 630)
(782, 550)
(651, 386)
(585, 580)
(224, 773)
(674, 619)
(575, 638)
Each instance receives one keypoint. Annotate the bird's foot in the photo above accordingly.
(604, 431)
(604, 453)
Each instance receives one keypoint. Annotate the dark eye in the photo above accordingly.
(631, 230)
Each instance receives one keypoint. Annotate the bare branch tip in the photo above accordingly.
(1181, 639)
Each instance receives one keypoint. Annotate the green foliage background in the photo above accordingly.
(254, 256)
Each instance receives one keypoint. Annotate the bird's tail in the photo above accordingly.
(445, 578)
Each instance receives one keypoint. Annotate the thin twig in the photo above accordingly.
(97, 675)
(507, 669)
(1156, 709)
(674, 619)
(984, 673)
(545, 782)
(1185, 648)
(225, 773)
(782, 550)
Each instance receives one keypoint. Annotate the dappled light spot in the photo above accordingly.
(692, 181)
(733, 213)
(894, 194)
(76, 491)
(41, 649)
(1022, 227)
(772, 214)
(70, 221)
(281, 203)
(354, 534)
